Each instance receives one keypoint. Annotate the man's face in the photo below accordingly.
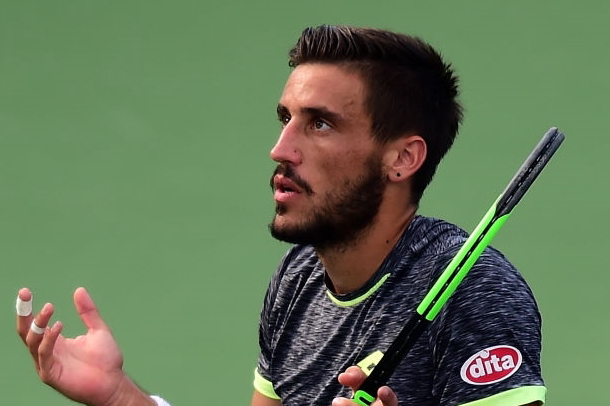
(329, 182)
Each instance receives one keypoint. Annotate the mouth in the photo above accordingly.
(285, 189)
(284, 185)
(288, 186)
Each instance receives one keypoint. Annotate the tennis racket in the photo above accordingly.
(459, 266)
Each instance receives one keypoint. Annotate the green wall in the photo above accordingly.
(133, 161)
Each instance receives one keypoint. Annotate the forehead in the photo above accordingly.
(324, 85)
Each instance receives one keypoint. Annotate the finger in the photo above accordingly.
(387, 396)
(46, 356)
(352, 377)
(87, 310)
(342, 402)
(37, 330)
(24, 312)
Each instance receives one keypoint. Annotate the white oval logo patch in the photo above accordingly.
(493, 364)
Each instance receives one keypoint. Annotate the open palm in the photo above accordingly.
(87, 368)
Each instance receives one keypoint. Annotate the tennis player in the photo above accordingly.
(366, 116)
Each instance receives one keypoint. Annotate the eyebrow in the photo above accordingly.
(322, 112)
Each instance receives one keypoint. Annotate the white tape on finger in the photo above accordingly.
(35, 328)
(159, 401)
(24, 307)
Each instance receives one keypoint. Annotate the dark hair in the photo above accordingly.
(410, 87)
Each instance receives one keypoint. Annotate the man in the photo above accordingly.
(366, 117)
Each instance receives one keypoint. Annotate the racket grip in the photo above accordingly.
(367, 392)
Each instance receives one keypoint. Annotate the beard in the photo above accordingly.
(343, 215)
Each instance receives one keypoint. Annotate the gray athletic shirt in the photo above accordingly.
(484, 346)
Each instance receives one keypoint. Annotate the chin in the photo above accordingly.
(283, 229)
(283, 223)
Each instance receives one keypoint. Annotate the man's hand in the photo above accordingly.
(87, 368)
(353, 377)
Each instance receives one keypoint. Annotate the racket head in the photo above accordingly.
(529, 171)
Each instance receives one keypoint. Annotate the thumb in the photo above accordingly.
(87, 310)
(387, 396)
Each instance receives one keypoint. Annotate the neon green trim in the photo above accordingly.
(441, 285)
(513, 397)
(359, 299)
(448, 272)
(264, 386)
(363, 398)
(493, 230)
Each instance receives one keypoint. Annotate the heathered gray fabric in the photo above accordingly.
(306, 340)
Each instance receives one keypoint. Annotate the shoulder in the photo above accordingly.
(427, 247)
(429, 233)
(439, 240)
(493, 298)
(493, 285)
(494, 279)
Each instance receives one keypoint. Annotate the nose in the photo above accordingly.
(286, 148)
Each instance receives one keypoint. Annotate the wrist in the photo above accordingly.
(129, 394)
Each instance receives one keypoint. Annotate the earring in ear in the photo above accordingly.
(398, 174)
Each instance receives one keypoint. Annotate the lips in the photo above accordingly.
(285, 189)
(285, 185)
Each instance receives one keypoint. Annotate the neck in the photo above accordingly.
(349, 267)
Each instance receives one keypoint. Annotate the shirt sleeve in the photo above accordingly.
(487, 340)
(263, 381)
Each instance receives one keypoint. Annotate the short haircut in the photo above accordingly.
(410, 89)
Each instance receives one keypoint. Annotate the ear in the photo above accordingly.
(404, 157)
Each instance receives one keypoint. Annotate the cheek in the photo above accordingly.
(346, 165)
(330, 163)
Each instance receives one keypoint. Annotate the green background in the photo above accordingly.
(134, 139)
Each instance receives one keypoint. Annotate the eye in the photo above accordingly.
(321, 125)
(283, 116)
